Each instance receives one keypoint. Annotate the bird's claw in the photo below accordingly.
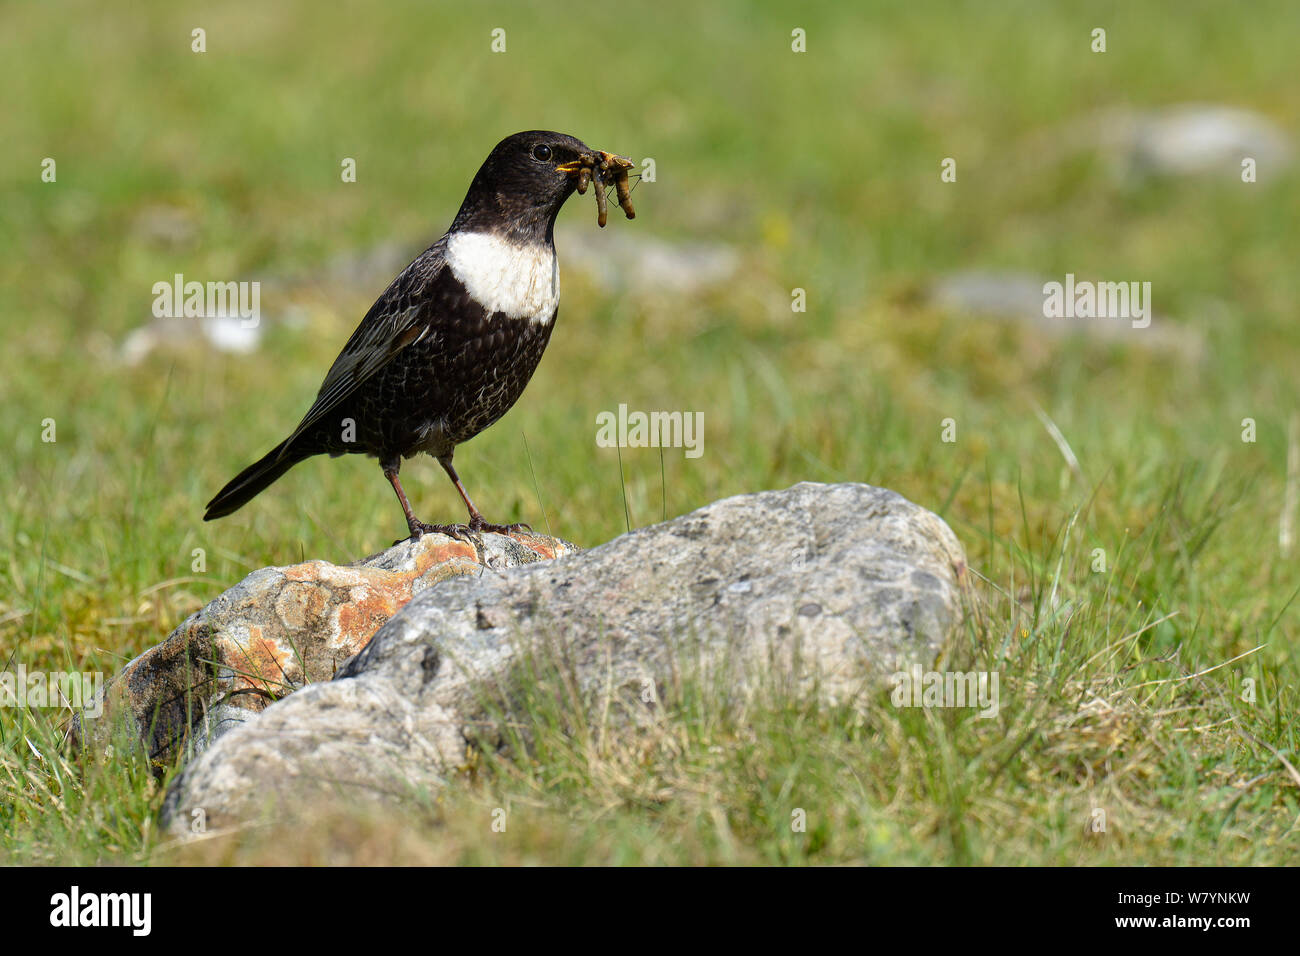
(463, 532)
(419, 529)
(477, 523)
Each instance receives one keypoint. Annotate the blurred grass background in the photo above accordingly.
(821, 170)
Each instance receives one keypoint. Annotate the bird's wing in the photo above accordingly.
(399, 317)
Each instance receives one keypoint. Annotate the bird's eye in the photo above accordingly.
(541, 152)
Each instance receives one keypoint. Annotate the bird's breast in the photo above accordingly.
(517, 280)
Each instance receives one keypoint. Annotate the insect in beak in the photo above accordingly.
(603, 168)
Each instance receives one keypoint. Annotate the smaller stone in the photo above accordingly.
(277, 630)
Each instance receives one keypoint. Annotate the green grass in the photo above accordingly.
(821, 170)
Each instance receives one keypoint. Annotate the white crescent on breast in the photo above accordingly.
(520, 281)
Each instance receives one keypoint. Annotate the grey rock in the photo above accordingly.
(645, 265)
(827, 588)
(1019, 297)
(1193, 139)
(221, 333)
(288, 299)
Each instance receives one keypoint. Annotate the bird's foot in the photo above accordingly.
(419, 529)
(463, 532)
(476, 523)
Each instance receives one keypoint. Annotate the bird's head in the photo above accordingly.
(524, 182)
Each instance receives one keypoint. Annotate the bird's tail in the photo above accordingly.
(253, 480)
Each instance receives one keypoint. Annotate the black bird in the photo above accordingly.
(449, 346)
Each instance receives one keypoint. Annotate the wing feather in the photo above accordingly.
(399, 317)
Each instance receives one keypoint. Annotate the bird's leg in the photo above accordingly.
(476, 520)
(417, 527)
